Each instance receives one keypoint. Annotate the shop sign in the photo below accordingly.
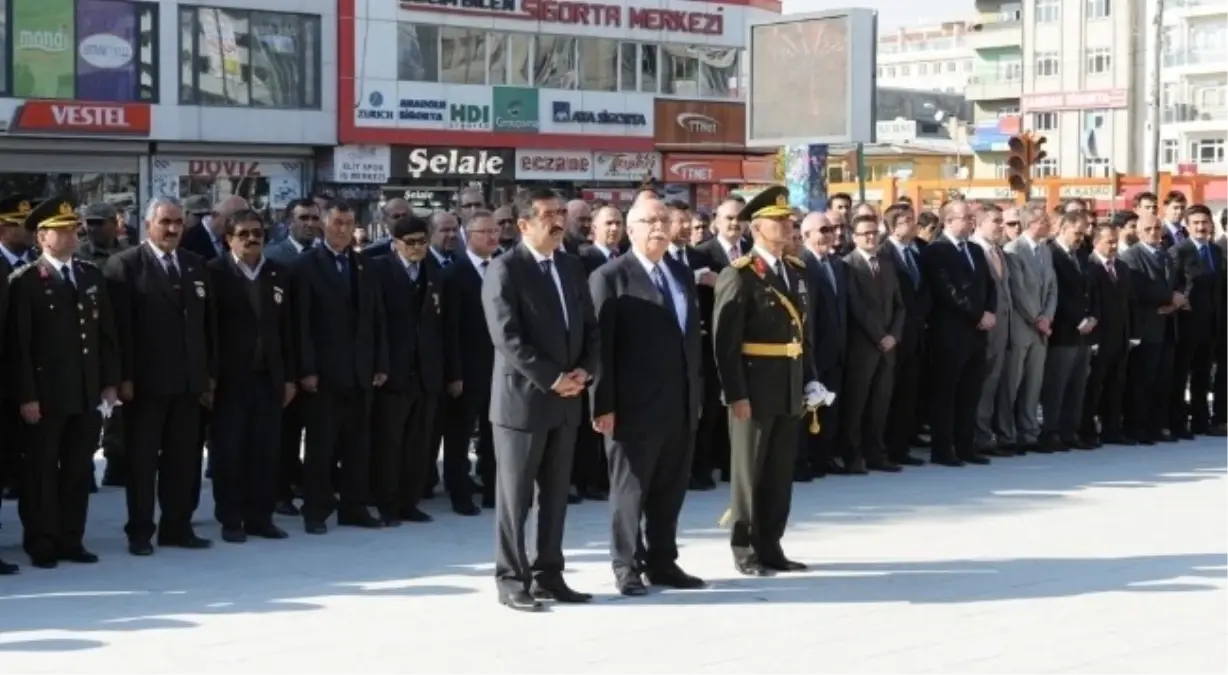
(564, 114)
(626, 166)
(230, 168)
(568, 12)
(451, 163)
(554, 165)
(361, 163)
(700, 123)
(703, 168)
(515, 110)
(79, 117)
(1076, 100)
(284, 178)
(619, 197)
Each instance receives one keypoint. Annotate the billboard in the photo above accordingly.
(812, 79)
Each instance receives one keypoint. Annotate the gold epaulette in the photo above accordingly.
(25, 268)
(741, 262)
(795, 261)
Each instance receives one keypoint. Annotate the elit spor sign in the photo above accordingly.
(420, 163)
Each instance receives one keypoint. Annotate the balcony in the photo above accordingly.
(1188, 9)
(991, 88)
(995, 35)
(1185, 112)
(1192, 62)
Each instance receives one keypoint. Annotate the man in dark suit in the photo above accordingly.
(14, 254)
(202, 232)
(1152, 278)
(1109, 281)
(63, 364)
(342, 354)
(646, 398)
(579, 225)
(404, 406)
(1200, 276)
(827, 279)
(468, 365)
(1174, 213)
(607, 237)
(963, 312)
(900, 250)
(876, 320)
(255, 379)
(541, 322)
(161, 293)
(710, 257)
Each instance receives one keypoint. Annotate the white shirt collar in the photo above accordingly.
(726, 245)
(865, 256)
(1103, 260)
(539, 257)
(160, 254)
(9, 255)
(649, 265)
(605, 250)
(59, 266)
(249, 272)
(473, 258)
(953, 239)
(770, 259)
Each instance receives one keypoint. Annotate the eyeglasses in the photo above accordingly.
(484, 230)
(866, 233)
(507, 221)
(1012, 223)
(826, 229)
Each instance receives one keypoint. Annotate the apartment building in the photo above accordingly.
(1194, 85)
(1072, 71)
(930, 58)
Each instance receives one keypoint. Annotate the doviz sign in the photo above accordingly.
(451, 163)
(563, 114)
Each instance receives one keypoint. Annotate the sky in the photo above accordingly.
(895, 13)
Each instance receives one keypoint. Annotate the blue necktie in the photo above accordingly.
(658, 280)
(1204, 252)
(963, 248)
(546, 265)
(343, 263)
(910, 261)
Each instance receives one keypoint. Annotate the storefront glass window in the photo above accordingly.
(679, 71)
(117, 189)
(4, 47)
(555, 62)
(599, 65)
(417, 52)
(462, 55)
(718, 71)
(236, 57)
(511, 58)
(649, 66)
(628, 59)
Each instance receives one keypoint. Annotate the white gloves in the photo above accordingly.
(815, 395)
(107, 408)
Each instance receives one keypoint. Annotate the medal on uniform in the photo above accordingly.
(200, 287)
(801, 286)
(435, 297)
(276, 295)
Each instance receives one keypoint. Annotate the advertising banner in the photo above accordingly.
(626, 166)
(107, 51)
(554, 165)
(43, 48)
(451, 163)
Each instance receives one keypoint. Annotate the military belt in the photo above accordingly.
(787, 350)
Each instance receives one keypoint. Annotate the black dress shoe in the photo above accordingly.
(1166, 437)
(286, 508)
(975, 458)
(947, 460)
(558, 591)
(751, 567)
(44, 561)
(488, 501)
(883, 465)
(909, 460)
(315, 527)
(702, 483)
(140, 548)
(264, 531)
(573, 496)
(802, 474)
(465, 507)
(80, 555)
(389, 520)
(8, 569)
(358, 518)
(415, 515)
(519, 601)
(673, 577)
(596, 495)
(856, 468)
(234, 535)
(188, 541)
(93, 485)
(1218, 430)
(632, 586)
(784, 565)
(113, 479)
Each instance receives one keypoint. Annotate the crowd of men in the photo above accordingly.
(583, 353)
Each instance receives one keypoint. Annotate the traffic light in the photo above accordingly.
(1026, 151)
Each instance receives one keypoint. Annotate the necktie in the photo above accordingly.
(963, 248)
(613, 254)
(1204, 252)
(828, 272)
(1109, 267)
(780, 272)
(343, 263)
(412, 268)
(66, 274)
(996, 260)
(445, 262)
(873, 261)
(910, 262)
(172, 270)
(658, 280)
(484, 265)
(734, 253)
(546, 265)
(20, 263)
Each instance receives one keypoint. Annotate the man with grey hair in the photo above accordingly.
(1034, 301)
(997, 397)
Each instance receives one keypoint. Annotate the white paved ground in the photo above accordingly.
(1111, 561)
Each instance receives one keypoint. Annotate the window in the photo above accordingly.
(599, 65)
(462, 55)
(554, 62)
(951, 66)
(924, 68)
(1048, 11)
(1007, 111)
(679, 71)
(111, 58)
(650, 60)
(1045, 168)
(1207, 151)
(1046, 64)
(718, 71)
(1170, 152)
(1099, 60)
(1097, 167)
(1098, 9)
(511, 58)
(890, 71)
(1000, 169)
(1044, 121)
(236, 57)
(968, 65)
(905, 71)
(628, 58)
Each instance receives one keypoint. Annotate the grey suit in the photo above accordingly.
(1033, 287)
(540, 330)
(996, 407)
(284, 252)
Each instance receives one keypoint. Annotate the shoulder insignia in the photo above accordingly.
(795, 261)
(25, 269)
(741, 262)
(88, 264)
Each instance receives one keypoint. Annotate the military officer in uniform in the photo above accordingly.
(767, 380)
(63, 354)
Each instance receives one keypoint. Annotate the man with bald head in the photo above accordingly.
(605, 236)
(205, 239)
(579, 225)
(827, 279)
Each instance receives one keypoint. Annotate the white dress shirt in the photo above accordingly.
(554, 274)
(771, 261)
(479, 264)
(677, 295)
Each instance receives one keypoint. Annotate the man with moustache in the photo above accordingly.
(255, 379)
(162, 301)
(1109, 281)
(827, 279)
(1068, 356)
(342, 355)
(540, 317)
(468, 374)
(509, 232)
(404, 407)
(607, 236)
(15, 253)
(646, 397)
(763, 356)
(1200, 267)
(63, 362)
(579, 225)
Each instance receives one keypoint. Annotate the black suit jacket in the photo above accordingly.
(6, 270)
(962, 295)
(876, 308)
(829, 310)
(240, 323)
(415, 324)
(917, 297)
(199, 240)
(649, 372)
(533, 344)
(1074, 302)
(591, 257)
(1203, 287)
(1151, 277)
(166, 335)
(471, 355)
(1114, 300)
(341, 334)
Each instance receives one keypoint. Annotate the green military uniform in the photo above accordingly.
(62, 352)
(762, 355)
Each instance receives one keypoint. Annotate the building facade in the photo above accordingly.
(122, 100)
(1070, 71)
(931, 58)
(573, 95)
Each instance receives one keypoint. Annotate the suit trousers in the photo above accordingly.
(465, 414)
(902, 418)
(400, 447)
(867, 400)
(648, 483)
(55, 488)
(1192, 361)
(12, 440)
(243, 447)
(203, 439)
(438, 425)
(1025, 377)
(588, 469)
(1145, 407)
(958, 372)
(1102, 401)
(818, 450)
(338, 428)
(164, 452)
(711, 440)
(1061, 396)
(996, 356)
(1219, 406)
(528, 462)
(761, 480)
(290, 451)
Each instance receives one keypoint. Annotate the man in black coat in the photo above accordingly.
(469, 363)
(163, 315)
(342, 355)
(1109, 281)
(63, 355)
(827, 279)
(255, 379)
(202, 229)
(540, 316)
(901, 251)
(14, 254)
(646, 398)
(404, 407)
(1200, 269)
